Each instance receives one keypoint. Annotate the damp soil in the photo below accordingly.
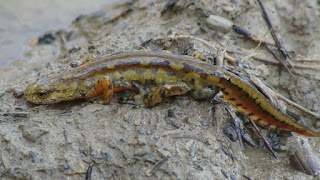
(179, 139)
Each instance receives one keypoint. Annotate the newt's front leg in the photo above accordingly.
(104, 86)
(168, 89)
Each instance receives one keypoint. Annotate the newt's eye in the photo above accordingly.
(42, 93)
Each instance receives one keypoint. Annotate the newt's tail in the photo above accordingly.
(253, 104)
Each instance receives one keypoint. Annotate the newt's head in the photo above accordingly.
(49, 90)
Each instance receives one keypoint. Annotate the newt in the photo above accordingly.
(155, 75)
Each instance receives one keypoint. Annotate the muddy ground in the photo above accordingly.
(179, 139)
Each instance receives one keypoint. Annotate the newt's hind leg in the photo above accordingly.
(104, 86)
(168, 89)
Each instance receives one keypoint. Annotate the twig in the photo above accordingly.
(89, 172)
(275, 36)
(237, 124)
(256, 81)
(247, 34)
(17, 114)
(220, 57)
(233, 61)
(308, 60)
(263, 139)
(302, 66)
(270, 61)
(157, 167)
(281, 62)
(266, 60)
(297, 105)
(248, 57)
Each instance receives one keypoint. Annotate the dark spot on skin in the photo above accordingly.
(138, 82)
(210, 86)
(244, 107)
(83, 94)
(226, 92)
(232, 99)
(259, 119)
(203, 75)
(222, 89)
(283, 122)
(192, 80)
(239, 104)
(150, 81)
(250, 114)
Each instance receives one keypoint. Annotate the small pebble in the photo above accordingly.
(106, 156)
(230, 132)
(17, 114)
(66, 134)
(193, 149)
(142, 130)
(247, 138)
(274, 141)
(122, 141)
(74, 64)
(17, 93)
(233, 177)
(150, 132)
(219, 23)
(66, 166)
(32, 154)
(173, 122)
(305, 161)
